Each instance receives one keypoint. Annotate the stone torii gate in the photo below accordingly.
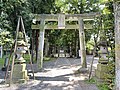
(61, 19)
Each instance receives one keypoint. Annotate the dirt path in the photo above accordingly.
(56, 75)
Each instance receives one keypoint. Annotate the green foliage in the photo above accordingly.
(27, 58)
(76, 6)
(103, 87)
(91, 81)
(2, 61)
(90, 45)
(41, 6)
(5, 38)
(48, 58)
(110, 77)
(105, 1)
(4, 24)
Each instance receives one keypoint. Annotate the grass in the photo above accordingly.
(103, 87)
(2, 61)
(26, 57)
(91, 81)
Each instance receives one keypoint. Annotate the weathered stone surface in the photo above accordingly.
(19, 67)
(20, 73)
(102, 67)
(82, 43)
(100, 74)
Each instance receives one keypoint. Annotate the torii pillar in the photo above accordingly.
(41, 43)
(82, 43)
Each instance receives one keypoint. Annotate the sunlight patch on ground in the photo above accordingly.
(95, 65)
(54, 72)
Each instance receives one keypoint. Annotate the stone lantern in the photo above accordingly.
(19, 71)
(103, 59)
(102, 66)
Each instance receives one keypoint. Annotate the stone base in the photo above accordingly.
(20, 73)
(102, 67)
(101, 71)
(83, 70)
(100, 74)
(99, 81)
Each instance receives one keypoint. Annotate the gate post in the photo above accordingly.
(41, 44)
(82, 43)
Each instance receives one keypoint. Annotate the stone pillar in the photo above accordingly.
(82, 43)
(117, 43)
(41, 44)
(37, 44)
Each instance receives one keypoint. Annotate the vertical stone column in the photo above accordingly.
(117, 43)
(41, 44)
(82, 43)
(37, 44)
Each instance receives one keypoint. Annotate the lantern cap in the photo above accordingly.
(21, 43)
(102, 43)
(20, 35)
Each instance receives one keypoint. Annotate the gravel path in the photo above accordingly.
(56, 75)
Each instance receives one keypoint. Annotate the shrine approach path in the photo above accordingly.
(58, 74)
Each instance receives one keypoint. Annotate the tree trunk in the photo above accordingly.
(117, 44)
(46, 47)
(32, 51)
(70, 50)
(76, 40)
